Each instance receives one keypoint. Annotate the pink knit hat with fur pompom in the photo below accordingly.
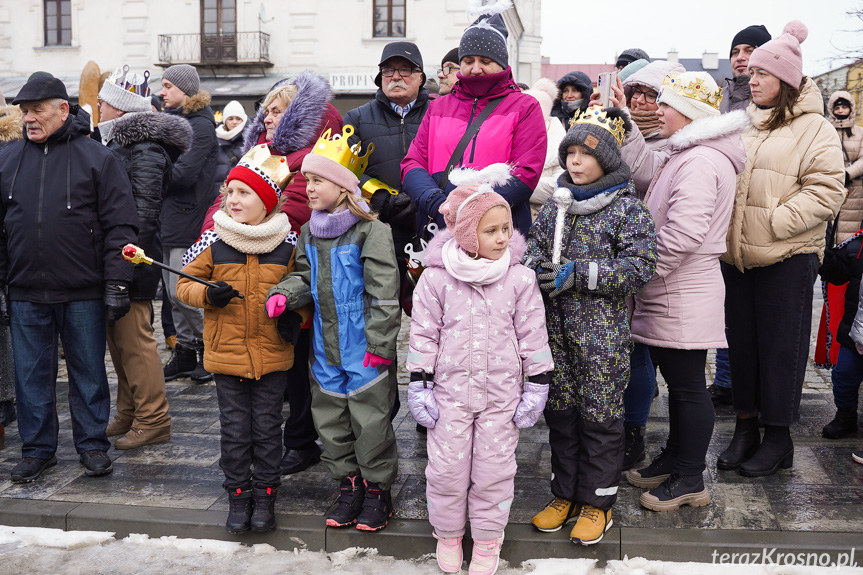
(782, 56)
(473, 197)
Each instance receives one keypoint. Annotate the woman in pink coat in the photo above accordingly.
(480, 362)
(680, 313)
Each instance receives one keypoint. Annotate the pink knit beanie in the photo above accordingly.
(467, 204)
(332, 171)
(782, 56)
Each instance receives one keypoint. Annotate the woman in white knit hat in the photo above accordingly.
(230, 136)
(678, 314)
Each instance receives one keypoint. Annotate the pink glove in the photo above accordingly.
(276, 305)
(373, 361)
(531, 405)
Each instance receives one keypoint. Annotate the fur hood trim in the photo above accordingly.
(197, 102)
(11, 124)
(163, 129)
(709, 128)
(302, 118)
(434, 250)
(847, 122)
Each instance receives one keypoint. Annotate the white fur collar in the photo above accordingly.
(709, 128)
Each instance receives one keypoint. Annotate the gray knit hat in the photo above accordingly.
(183, 76)
(588, 130)
(486, 37)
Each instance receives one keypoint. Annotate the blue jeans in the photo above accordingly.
(846, 376)
(35, 328)
(639, 392)
(723, 369)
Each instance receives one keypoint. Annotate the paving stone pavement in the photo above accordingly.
(821, 494)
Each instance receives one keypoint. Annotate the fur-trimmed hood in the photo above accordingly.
(11, 124)
(299, 125)
(196, 103)
(721, 133)
(166, 130)
(847, 122)
(434, 250)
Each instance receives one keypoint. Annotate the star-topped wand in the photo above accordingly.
(136, 255)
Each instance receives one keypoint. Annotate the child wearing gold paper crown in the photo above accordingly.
(249, 250)
(591, 247)
(346, 265)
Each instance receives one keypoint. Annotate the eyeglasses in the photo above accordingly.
(447, 70)
(649, 97)
(403, 72)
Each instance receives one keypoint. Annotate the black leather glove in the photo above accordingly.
(289, 325)
(4, 305)
(117, 301)
(222, 294)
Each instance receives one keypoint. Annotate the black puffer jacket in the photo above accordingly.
(583, 84)
(377, 123)
(67, 212)
(147, 146)
(842, 265)
(190, 192)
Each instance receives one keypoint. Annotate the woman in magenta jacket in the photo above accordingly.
(514, 133)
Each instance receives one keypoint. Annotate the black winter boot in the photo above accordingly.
(240, 510)
(377, 508)
(844, 423)
(349, 504)
(743, 445)
(182, 362)
(777, 450)
(264, 518)
(654, 474)
(634, 448)
(199, 374)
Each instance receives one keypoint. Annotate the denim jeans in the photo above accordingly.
(639, 392)
(723, 368)
(847, 375)
(35, 327)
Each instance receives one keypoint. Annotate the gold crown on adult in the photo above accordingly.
(272, 168)
(338, 150)
(597, 116)
(696, 89)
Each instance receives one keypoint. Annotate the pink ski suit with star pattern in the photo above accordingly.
(481, 342)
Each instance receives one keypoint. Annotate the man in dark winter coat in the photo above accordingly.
(390, 122)
(67, 211)
(189, 194)
(147, 145)
(736, 92)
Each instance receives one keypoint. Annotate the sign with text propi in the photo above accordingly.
(346, 82)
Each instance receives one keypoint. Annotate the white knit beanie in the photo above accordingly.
(123, 100)
(234, 108)
(693, 94)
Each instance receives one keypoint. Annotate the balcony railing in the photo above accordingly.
(243, 48)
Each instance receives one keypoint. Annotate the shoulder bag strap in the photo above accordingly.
(471, 131)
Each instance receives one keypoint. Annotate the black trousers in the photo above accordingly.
(250, 413)
(586, 457)
(690, 409)
(299, 428)
(768, 312)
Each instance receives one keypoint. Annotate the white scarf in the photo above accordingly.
(260, 239)
(224, 134)
(479, 272)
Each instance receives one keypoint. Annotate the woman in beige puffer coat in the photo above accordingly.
(851, 138)
(791, 186)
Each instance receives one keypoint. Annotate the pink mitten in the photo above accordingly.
(276, 305)
(375, 361)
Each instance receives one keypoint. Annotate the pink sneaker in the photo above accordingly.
(449, 553)
(486, 556)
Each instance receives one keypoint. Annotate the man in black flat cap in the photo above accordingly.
(67, 210)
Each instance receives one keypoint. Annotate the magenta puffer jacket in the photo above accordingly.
(514, 133)
(485, 340)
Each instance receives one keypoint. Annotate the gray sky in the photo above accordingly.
(590, 33)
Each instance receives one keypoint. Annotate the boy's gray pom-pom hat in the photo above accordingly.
(486, 37)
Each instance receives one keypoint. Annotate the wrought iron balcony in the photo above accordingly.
(228, 50)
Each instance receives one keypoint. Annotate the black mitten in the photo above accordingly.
(289, 325)
(222, 294)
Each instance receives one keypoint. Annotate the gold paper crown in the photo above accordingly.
(597, 116)
(273, 169)
(696, 89)
(337, 150)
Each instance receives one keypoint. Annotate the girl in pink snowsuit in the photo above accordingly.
(479, 362)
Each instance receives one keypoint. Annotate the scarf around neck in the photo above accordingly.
(224, 134)
(477, 272)
(328, 225)
(260, 239)
(607, 183)
(646, 120)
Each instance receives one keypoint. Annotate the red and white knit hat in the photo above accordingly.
(265, 173)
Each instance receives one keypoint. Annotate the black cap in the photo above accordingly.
(406, 50)
(755, 36)
(451, 56)
(41, 88)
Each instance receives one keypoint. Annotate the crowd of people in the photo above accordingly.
(552, 252)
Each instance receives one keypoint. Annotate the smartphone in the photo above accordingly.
(604, 83)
